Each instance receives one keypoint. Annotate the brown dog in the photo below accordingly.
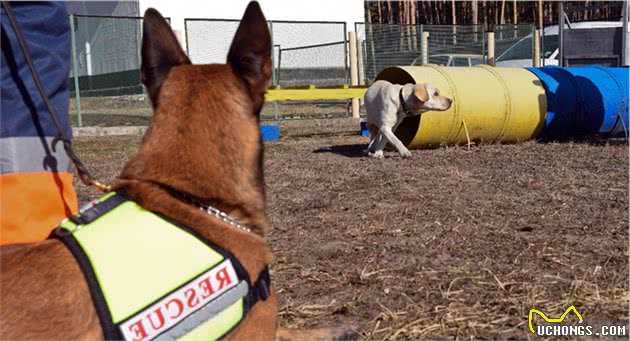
(204, 143)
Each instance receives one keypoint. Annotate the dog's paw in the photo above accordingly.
(377, 154)
(405, 154)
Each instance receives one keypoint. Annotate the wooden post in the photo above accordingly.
(425, 48)
(536, 47)
(361, 65)
(490, 37)
(354, 71)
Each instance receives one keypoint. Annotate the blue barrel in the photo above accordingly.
(584, 101)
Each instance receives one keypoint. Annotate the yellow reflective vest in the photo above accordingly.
(154, 279)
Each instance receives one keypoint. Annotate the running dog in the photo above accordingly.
(387, 106)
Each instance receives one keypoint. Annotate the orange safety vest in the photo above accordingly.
(36, 189)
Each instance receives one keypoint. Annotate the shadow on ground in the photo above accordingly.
(347, 150)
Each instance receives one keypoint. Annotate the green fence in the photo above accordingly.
(105, 81)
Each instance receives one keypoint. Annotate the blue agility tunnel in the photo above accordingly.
(583, 101)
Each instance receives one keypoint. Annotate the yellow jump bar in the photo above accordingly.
(312, 93)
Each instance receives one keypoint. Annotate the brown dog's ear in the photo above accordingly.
(421, 93)
(250, 52)
(160, 52)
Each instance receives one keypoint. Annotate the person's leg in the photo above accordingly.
(36, 187)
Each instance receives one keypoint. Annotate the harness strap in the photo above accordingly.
(250, 293)
(261, 289)
(87, 216)
(110, 332)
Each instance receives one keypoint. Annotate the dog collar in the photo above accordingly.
(404, 105)
(226, 218)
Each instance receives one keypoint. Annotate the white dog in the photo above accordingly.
(388, 104)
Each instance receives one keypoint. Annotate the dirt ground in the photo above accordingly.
(451, 244)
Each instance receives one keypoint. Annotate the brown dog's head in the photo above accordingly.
(204, 139)
(428, 98)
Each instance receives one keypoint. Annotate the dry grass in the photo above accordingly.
(452, 244)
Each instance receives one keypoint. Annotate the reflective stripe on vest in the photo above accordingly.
(156, 279)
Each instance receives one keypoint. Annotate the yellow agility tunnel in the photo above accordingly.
(490, 105)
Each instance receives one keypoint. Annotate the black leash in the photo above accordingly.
(83, 173)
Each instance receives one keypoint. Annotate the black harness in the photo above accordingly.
(257, 291)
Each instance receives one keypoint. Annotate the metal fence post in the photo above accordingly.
(345, 52)
(274, 80)
(273, 57)
(75, 73)
(279, 69)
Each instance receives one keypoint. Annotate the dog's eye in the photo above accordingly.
(436, 94)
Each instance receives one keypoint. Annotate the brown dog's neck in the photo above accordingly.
(218, 207)
(250, 248)
(246, 215)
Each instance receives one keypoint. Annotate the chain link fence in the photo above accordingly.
(107, 60)
(384, 45)
(305, 52)
(514, 45)
(106, 72)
